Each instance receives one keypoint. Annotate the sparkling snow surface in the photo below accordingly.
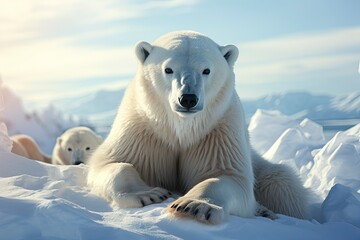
(41, 201)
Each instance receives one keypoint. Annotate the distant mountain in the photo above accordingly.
(99, 102)
(305, 104)
(350, 103)
(99, 107)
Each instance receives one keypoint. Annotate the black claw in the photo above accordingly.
(142, 202)
(151, 199)
(161, 198)
(165, 197)
(172, 206)
(196, 211)
(169, 193)
(186, 209)
(208, 215)
(178, 209)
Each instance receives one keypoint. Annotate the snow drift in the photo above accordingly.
(42, 201)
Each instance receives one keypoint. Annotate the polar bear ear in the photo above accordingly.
(58, 140)
(143, 50)
(230, 53)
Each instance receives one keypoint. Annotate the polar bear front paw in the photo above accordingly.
(263, 211)
(200, 210)
(142, 198)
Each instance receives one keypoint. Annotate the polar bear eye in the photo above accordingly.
(87, 149)
(69, 149)
(168, 71)
(206, 71)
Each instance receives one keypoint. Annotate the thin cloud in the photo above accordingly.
(40, 39)
(306, 44)
(46, 61)
(22, 20)
(28, 24)
(277, 59)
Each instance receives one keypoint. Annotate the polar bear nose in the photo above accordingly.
(188, 100)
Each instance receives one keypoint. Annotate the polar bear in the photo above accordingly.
(74, 146)
(26, 146)
(181, 129)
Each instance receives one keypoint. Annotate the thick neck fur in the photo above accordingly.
(174, 129)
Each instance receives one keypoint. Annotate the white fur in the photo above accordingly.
(278, 188)
(154, 147)
(75, 146)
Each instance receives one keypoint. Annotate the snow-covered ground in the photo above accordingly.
(41, 201)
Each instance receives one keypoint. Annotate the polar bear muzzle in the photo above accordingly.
(188, 101)
(187, 92)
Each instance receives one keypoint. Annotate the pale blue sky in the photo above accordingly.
(50, 49)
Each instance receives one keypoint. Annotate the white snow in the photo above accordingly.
(41, 201)
(266, 126)
(337, 162)
(342, 205)
(44, 126)
(302, 146)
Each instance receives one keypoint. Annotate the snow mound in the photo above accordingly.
(302, 146)
(337, 162)
(42, 201)
(342, 205)
(295, 144)
(313, 132)
(266, 126)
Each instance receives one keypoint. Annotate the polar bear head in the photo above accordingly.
(75, 145)
(187, 70)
